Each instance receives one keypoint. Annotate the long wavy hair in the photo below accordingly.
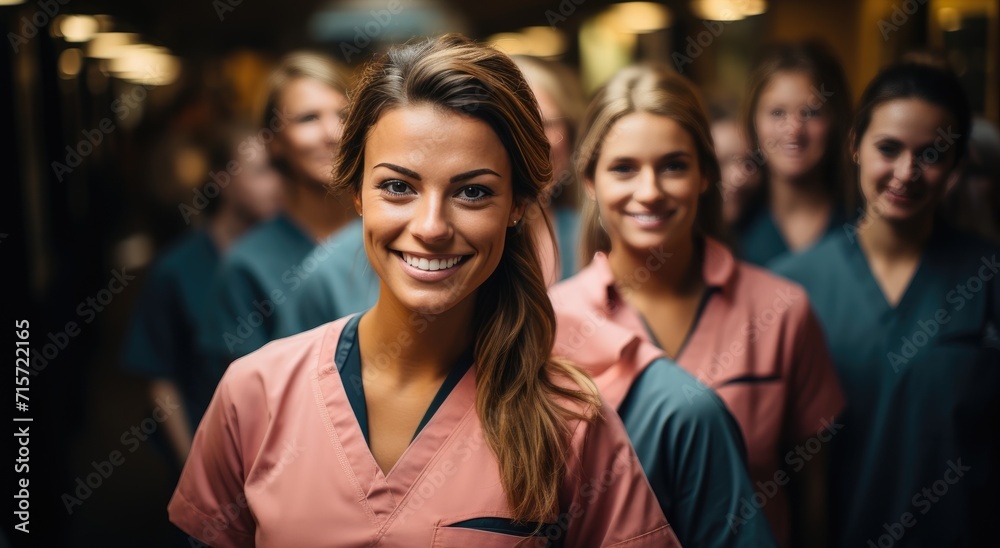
(524, 406)
(658, 90)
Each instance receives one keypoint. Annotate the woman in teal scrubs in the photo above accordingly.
(796, 119)
(161, 341)
(301, 127)
(910, 309)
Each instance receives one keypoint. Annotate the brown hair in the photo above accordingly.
(814, 60)
(520, 402)
(659, 90)
(295, 65)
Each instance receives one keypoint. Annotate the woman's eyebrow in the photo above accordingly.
(474, 173)
(401, 170)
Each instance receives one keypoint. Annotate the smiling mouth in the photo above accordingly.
(649, 217)
(432, 264)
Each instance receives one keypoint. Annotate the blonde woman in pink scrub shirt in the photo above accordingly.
(437, 417)
(660, 273)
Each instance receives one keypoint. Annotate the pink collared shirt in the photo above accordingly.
(280, 460)
(756, 343)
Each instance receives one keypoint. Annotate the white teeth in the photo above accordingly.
(647, 218)
(430, 264)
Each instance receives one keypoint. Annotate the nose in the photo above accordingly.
(430, 222)
(907, 168)
(647, 187)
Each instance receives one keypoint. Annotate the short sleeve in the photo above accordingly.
(693, 452)
(611, 503)
(815, 394)
(209, 502)
(150, 345)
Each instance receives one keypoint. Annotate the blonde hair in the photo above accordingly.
(524, 408)
(296, 65)
(658, 90)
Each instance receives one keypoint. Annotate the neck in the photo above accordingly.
(418, 346)
(671, 270)
(788, 195)
(315, 210)
(227, 226)
(894, 240)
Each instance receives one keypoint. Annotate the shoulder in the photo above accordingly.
(673, 398)
(759, 289)
(275, 368)
(823, 260)
(584, 289)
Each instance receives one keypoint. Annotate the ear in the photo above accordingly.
(588, 187)
(357, 203)
(517, 212)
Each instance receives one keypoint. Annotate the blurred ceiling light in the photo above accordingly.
(544, 41)
(728, 10)
(10, 2)
(534, 41)
(510, 43)
(70, 63)
(639, 17)
(754, 7)
(78, 28)
(106, 45)
(949, 19)
(145, 64)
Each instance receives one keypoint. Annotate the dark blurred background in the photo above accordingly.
(101, 101)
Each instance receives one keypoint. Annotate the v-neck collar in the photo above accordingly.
(383, 494)
(858, 261)
(348, 360)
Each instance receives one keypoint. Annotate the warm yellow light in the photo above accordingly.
(535, 41)
(949, 19)
(145, 64)
(754, 7)
(70, 62)
(510, 43)
(639, 17)
(544, 41)
(106, 45)
(10, 2)
(717, 10)
(78, 28)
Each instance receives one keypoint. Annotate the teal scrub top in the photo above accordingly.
(161, 340)
(760, 242)
(338, 282)
(917, 459)
(251, 290)
(694, 457)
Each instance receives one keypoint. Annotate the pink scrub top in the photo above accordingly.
(756, 342)
(280, 459)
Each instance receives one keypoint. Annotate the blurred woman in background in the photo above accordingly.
(739, 174)
(796, 117)
(660, 276)
(170, 317)
(910, 308)
(306, 97)
(560, 99)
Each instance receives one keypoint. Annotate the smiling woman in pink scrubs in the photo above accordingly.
(659, 274)
(437, 417)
